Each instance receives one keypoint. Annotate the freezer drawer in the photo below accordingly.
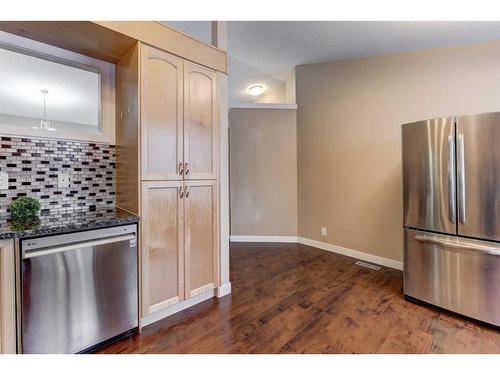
(454, 273)
(429, 175)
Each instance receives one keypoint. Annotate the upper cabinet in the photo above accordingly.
(161, 115)
(178, 118)
(200, 123)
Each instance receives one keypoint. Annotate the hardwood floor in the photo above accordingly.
(290, 298)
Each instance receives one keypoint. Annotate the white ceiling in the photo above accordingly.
(271, 49)
(73, 94)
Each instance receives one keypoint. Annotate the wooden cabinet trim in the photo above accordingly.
(153, 297)
(170, 40)
(7, 298)
(85, 37)
(128, 131)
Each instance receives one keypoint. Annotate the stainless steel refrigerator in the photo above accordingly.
(451, 189)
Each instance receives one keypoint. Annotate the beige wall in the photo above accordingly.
(276, 95)
(348, 129)
(284, 93)
(263, 172)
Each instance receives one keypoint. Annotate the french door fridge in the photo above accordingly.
(451, 195)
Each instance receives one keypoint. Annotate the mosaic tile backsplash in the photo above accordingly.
(34, 164)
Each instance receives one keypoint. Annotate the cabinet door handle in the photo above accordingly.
(181, 192)
(187, 191)
(181, 169)
(186, 168)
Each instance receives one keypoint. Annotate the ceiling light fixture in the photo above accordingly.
(256, 90)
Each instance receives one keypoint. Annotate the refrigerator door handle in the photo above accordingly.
(461, 178)
(462, 245)
(451, 179)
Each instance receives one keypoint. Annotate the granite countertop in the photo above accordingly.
(66, 222)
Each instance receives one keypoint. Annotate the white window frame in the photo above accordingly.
(107, 85)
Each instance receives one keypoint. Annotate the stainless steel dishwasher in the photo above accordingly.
(77, 290)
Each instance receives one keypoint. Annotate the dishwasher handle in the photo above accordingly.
(59, 249)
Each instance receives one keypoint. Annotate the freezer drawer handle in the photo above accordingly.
(451, 179)
(76, 246)
(460, 245)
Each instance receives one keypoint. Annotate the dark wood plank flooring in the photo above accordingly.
(290, 298)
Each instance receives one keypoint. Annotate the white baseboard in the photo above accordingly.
(391, 263)
(158, 315)
(223, 290)
(287, 239)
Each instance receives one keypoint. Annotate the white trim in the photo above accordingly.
(391, 263)
(161, 314)
(287, 239)
(219, 40)
(264, 105)
(223, 290)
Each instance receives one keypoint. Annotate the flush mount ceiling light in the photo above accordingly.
(256, 90)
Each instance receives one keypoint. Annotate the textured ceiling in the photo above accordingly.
(270, 49)
(275, 47)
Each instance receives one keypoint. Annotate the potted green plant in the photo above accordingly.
(25, 209)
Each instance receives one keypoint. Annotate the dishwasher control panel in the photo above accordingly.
(69, 238)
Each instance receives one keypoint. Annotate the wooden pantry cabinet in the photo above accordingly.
(168, 118)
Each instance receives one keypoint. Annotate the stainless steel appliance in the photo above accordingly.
(78, 290)
(451, 185)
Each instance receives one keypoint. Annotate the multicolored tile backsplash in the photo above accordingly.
(34, 164)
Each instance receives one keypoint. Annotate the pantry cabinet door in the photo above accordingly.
(162, 249)
(201, 237)
(200, 122)
(161, 115)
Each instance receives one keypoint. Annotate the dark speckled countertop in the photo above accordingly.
(66, 222)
